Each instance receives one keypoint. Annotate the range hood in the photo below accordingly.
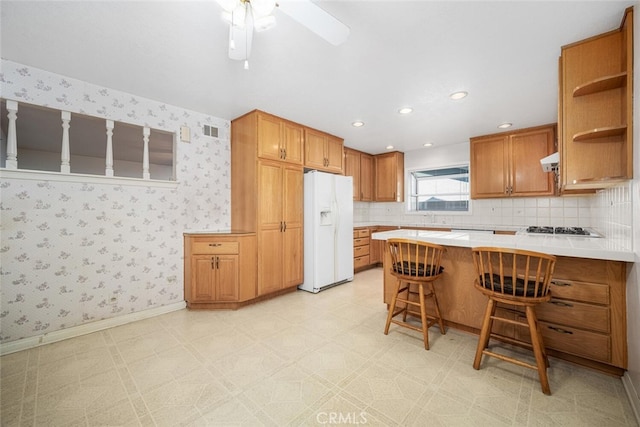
(550, 163)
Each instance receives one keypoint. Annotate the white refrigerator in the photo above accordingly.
(328, 230)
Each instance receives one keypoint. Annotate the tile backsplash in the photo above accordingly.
(609, 211)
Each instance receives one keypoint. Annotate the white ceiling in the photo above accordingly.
(399, 53)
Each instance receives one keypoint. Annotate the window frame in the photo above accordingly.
(409, 195)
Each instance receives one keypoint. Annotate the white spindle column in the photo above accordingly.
(109, 155)
(12, 139)
(65, 157)
(145, 155)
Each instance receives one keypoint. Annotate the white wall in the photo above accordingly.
(69, 247)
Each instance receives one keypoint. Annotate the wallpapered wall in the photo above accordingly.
(77, 252)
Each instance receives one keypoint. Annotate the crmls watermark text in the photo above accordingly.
(342, 418)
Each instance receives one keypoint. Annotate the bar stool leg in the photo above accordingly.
(423, 317)
(437, 308)
(392, 307)
(485, 332)
(541, 359)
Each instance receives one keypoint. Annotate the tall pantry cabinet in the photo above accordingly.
(267, 195)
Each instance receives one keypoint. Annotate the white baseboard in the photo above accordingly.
(87, 328)
(633, 395)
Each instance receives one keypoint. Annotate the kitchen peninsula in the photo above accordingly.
(585, 322)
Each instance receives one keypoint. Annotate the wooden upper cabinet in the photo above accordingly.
(389, 173)
(596, 110)
(323, 151)
(279, 139)
(508, 164)
(352, 169)
(366, 177)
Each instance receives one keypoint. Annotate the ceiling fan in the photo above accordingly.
(245, 16)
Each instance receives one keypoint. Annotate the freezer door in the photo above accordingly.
(344, 228)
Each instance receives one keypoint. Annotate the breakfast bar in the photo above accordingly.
(585, 321)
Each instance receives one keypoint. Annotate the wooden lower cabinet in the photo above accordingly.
(219, 270)
(585, 321)
(361, 238)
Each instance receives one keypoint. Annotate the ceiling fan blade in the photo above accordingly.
(316, 19)
(240, 40)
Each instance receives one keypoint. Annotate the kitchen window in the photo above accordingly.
(439, 190)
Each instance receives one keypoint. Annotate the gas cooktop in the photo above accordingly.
(564, 231)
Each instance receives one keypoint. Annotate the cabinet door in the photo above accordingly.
(292, 257)
(489, 167)
(269, 137)
(389, 177)
(314, 149)
(227, 278)
(366, 177)
(293, 144)
(270, 195)
(527, 176)
(293, 216)
(203, 278)
(334, 154)
(352, 169)
(269, 261)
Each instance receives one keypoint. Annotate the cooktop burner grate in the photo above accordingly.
(572, 231)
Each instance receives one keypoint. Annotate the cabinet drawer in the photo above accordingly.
(580, 291)
(591, 345)
(580, 315)
(360, 251)
(360, 232)
(361, 261)
(361, 241)
(214, 247)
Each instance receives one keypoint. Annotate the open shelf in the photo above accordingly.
(599, 133)
(601, 84)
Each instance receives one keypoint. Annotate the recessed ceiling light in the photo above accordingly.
(505, 125)
(405, 110)
(458, 95)
(357, 123)
(389, 147)
(428, 144)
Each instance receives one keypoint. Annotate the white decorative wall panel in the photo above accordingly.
(77, 252)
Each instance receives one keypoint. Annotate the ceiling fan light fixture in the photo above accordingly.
(228, 5)
(262, 7)
(264, 23)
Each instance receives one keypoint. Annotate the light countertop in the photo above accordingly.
(572, 246)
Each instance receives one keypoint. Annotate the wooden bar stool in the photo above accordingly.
(518, 278)
(416, 265)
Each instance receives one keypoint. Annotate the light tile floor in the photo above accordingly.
(300, 359)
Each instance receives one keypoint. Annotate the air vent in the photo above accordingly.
(210, 131)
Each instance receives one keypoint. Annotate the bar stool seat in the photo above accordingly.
(416, 266)
(519, 279)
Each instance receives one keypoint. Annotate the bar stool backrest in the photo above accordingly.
(415, 259)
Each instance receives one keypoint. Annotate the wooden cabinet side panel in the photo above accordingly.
(617, 279)
(247, 267)
(243, 173)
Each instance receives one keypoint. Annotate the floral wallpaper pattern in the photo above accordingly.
(76, 252)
